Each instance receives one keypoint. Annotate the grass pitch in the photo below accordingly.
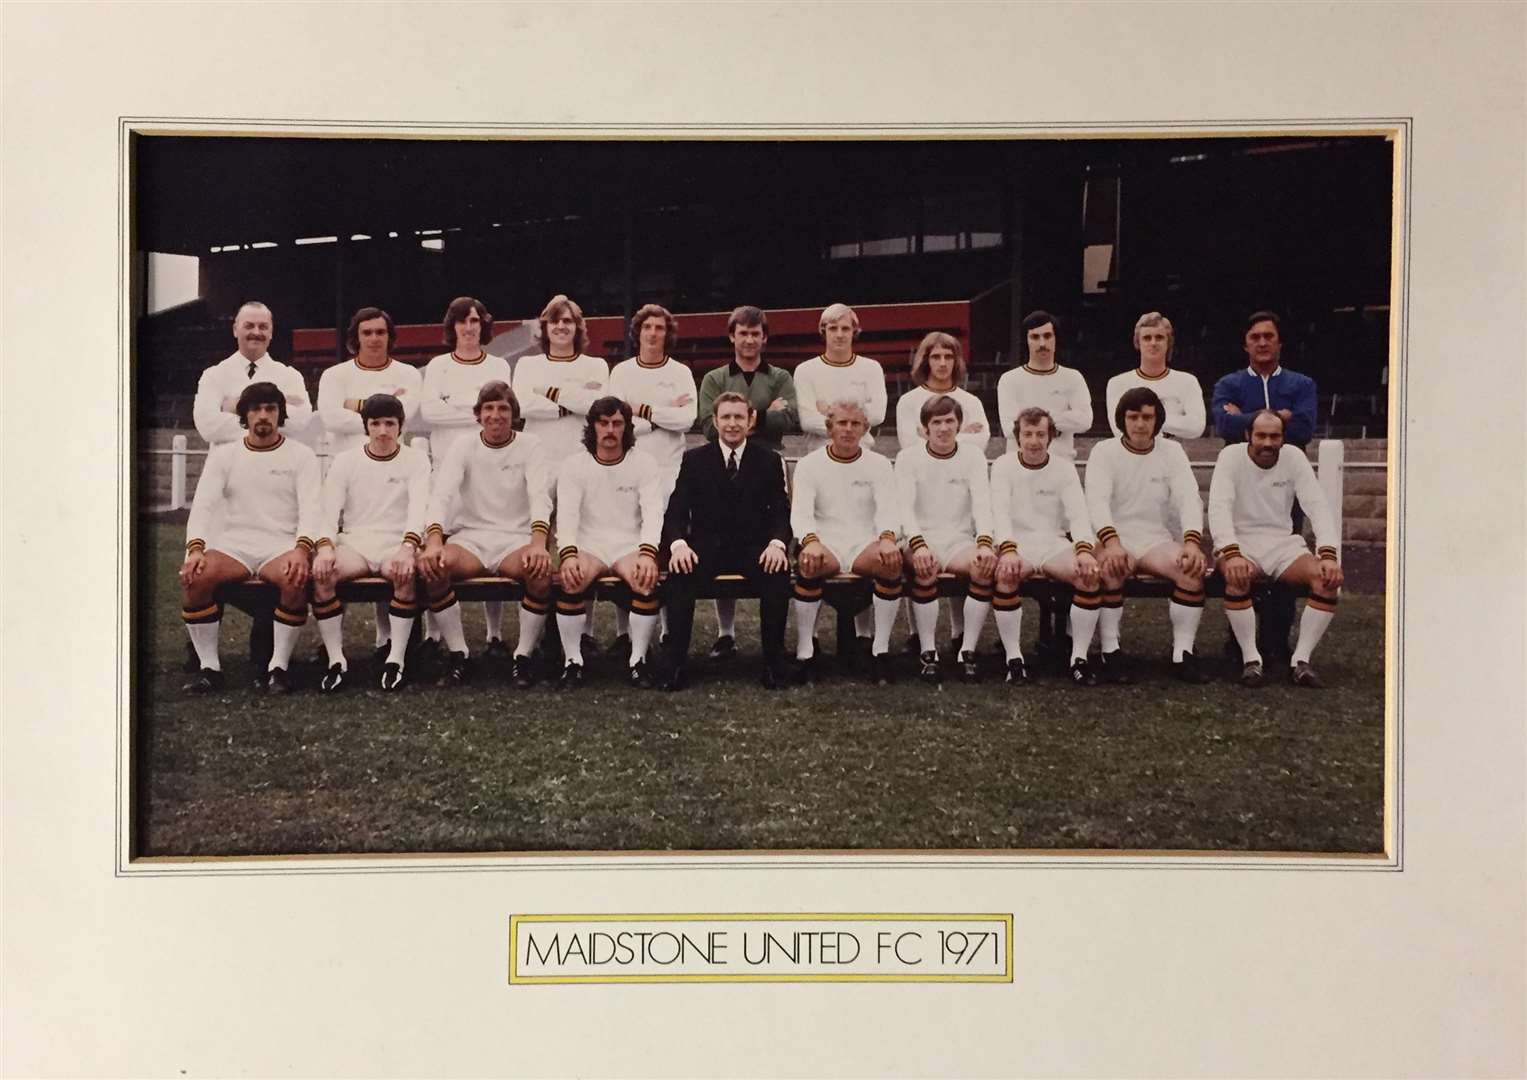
(726, 765)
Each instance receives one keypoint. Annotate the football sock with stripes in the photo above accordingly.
(887, 601)
(1110, 618)
(1318, 612)
(1007, 609)
(572, 617)
(533, 614)
(400, 620)
(1086, 613)
(1185, 611)
(493, 618)
(288, 628)
(331, 628)
(447, 613)
(925, 616)
(726, 617)
(808, 599)
(1243, 624)
(203, 625)
(977, 604)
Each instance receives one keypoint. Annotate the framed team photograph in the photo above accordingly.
(927, 636)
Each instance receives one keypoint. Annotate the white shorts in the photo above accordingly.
(608, 547)
(253, 550)
(1273, 553)
(845, 547)
(946, 546)
(491, 546)
(1140, 538)
(375, 548)
(1036, 549)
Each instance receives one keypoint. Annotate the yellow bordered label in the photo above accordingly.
(760, 947)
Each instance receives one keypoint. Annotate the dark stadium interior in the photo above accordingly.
(1204, 229)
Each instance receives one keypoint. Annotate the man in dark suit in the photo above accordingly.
(728, 514)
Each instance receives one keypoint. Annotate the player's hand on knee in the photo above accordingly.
(1087, 571)
(537, 562)
(572, 576)
(1331, 576)
(924, 565)
(890, 556)
(1191, 561)
(1237, 573)
(295, 573)
(984, 563)
(644, 573)
(1115, 560)
(191, 569)
(323, 565)
(812, 557)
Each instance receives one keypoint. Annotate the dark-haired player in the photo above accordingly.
(344, 387)
(374, 501)
(1134, 483)
(267, 488)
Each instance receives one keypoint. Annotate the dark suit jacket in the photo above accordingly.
(706, 510)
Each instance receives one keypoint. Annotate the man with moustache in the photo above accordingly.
(374, 504)
(215, 410)
(1250, 497)
(1179, 391)
(1266, 384)
(499, 483)
(609, 519)
(770, 392)
(728, 514)
(1043, 383)
(255, 513)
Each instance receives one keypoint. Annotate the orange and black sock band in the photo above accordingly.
(571, 605)
(645, 605)
(403, 609)
(981, 594)
(888, 590)
(441, 603)
(1111, 598)
(1188, 599)
(535, 606)
(808, 590)
(291, 618)
(329, 609)
(1237, 603)
(209, 614)
(924, 594)
(1006, 601)
(1090, 601)
(1321, 602)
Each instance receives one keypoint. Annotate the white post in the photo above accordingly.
(420, 443)
(1333, 454)
(177, 472)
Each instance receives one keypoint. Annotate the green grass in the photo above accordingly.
(727, 765)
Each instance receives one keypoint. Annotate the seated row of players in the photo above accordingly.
(848, 509)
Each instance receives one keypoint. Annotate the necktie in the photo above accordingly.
(731, 467)
(251, 369)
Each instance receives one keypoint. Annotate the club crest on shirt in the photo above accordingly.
(625, 489)
(861, 483)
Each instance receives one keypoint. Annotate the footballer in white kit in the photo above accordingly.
(1180, 394)
(1251, 496)
(938, 367)
(374, 501)
(255, 513)
(838, 374)
(557, 388)
(609, 519)
(844, 510)
(448, 397)
(946, 517)
(1040, 515)
(1043, 383)
(660, 390)
(344, 388)
(499, 484)
(1134, 485)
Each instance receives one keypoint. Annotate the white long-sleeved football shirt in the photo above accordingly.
(448, 393)
(556, 395)
(840, 498)
(1131, 491)
(1061, 391)
(1246, 499)
(819, 382)
(502, 488)
(943, 496)
(366, 495)
(621, 501)
(1039, 500)
(257, 499)
(650, 391)
(351, 382)
(910, 406)
(1179, 393)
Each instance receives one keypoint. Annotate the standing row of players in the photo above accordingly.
(492, 495)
